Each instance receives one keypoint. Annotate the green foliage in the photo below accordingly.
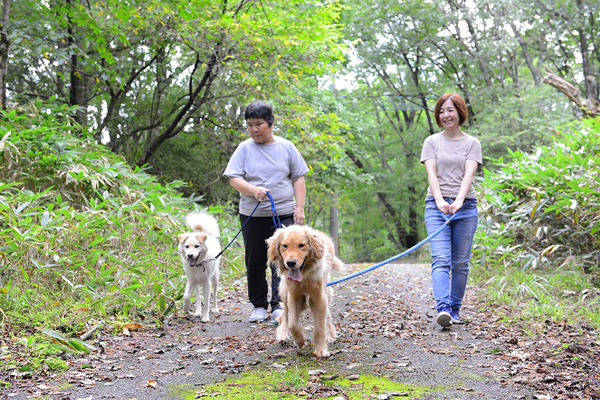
(541, 209)
(538, 239)
(43, 356)
(151, 70)
(81, 234)
(522, 120)
(561, 295)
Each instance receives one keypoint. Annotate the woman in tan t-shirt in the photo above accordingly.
(451, 158)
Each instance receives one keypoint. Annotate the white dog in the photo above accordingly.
(198, 250)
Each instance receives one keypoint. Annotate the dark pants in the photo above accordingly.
(255, 234)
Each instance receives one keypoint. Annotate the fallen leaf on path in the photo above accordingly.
(152, 383)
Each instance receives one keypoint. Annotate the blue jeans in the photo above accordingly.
(450, 251)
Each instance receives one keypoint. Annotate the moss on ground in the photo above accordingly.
(296, 382)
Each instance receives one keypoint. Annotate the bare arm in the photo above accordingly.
(434, 184)
(470, 169)
(239, 184)
(300, 195)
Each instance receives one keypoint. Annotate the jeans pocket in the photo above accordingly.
(430, 205)
(470, 204)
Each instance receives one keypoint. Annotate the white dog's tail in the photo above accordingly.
(203, 222)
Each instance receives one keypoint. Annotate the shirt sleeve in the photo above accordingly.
(235, 166)
(475, 153)
(428, 151)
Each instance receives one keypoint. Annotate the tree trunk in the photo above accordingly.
(590, 106)
(591, 86)
(414, 72)
(4, 48)
(193, 103)
(78, 90)
(412, 234)
(398, 239)
(528, 59)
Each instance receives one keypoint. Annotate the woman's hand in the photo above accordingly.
(456, 205)
(260, 193)
(299, 216)
(443, 206)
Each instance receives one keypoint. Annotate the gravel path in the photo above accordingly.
(386, 324)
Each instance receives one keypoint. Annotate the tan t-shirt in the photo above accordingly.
(451, 156)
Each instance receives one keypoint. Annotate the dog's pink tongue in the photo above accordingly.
(295, 275)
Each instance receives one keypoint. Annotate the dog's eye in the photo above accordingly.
(284, 246)
(197, 246)
(301, 245)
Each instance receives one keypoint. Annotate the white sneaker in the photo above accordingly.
(275, 315)
(444, 319)
(259, 314)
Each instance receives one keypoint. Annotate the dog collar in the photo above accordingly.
(203, 264)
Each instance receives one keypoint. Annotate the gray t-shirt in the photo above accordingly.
(451, 156)
(272, 166)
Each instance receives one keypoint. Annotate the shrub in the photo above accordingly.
(82, 234)
(542, 210)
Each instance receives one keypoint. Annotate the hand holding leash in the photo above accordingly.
(261, 194)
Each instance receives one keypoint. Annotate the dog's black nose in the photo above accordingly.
(291, 263)
(190, 256)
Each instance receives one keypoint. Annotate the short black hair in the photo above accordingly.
(260, 109)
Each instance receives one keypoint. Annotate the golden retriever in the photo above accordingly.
(198, 250)
(304, 258)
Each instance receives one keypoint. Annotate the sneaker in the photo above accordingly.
(259, 314)
(454, 317)
(444, 319)
(275, 315)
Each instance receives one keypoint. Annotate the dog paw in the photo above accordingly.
(186, 305)
(300, 343)
(215, 311)
(205, 318)
(283, 337)
(281, 333)
(331, 336)
(321, 353)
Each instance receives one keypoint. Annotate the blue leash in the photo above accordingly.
(276, 221)
(389, 260)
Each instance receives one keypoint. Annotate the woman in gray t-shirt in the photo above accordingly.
(451, 159)
(263, 164)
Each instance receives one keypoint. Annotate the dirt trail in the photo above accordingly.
(386, 325)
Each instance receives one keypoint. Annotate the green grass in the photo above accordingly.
(37, 354)
(560, 295)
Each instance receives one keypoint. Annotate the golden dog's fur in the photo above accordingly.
(304, 258)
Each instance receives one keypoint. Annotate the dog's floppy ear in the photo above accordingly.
(273, 255)
(181, 237)
(317, 247)
(201, 236)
